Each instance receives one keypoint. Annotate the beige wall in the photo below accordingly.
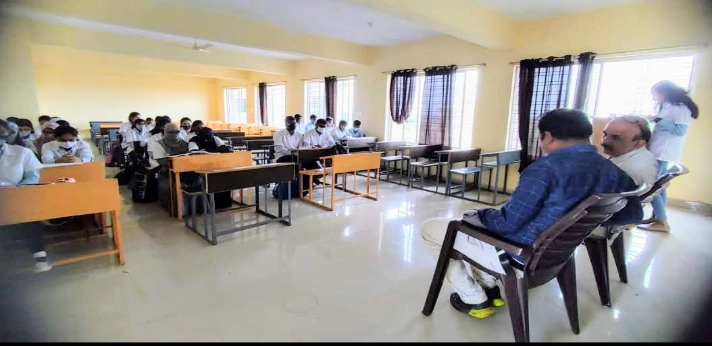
(80, 95)
(626, 28)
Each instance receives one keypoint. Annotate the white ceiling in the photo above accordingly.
(331, 18)
(175, 40)
(538, 9)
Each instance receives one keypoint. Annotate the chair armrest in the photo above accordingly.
(488, 237)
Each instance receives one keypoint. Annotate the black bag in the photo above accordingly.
(280, 191)
(144, 187)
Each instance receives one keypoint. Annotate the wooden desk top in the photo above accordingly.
(110, 126)
(247, 168)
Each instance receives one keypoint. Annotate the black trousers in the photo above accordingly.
(31, 232)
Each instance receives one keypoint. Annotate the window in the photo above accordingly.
(315, 99)
(235, 100)
(276, 104)
(463, 111)
(616, 87)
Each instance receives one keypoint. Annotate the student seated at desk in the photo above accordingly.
(13, 137)
(43, 119)
(205, 140)
(148, 124)
(136, 137)
(156, 134)
(287, 140)
(18, 166)
(318, 137)
(46, 136)
(196, 127)
(125, 130)
(341, 134)
(26, 131)
(66, 148)
(311, 124)
(185, 127)
(170, 144)
(355, 131)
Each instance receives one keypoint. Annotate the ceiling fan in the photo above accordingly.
(201, 47)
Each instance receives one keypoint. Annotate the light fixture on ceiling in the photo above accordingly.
(202, 47)
(370, 24)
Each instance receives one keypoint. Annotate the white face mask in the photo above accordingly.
(68, 145)
(25, 134)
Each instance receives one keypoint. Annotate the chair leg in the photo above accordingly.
(618, 250)
(518, 302)
(598, 253)
(440, 271)
(567, 284)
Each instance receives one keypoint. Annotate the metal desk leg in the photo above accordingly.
(214, 228)
(506, 173)
(289, 203)
(496, 185)
(204, 197)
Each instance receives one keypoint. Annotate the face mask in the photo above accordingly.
(139, 127)
(67, 145)
(3, 140)
(171, 137)
(291, 127)
(25, 134)
(319, 130)
(11, 138)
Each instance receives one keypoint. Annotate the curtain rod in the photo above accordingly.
(674, 49)
(458, 66)
(322, 78)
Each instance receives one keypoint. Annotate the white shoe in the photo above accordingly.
(42, 263)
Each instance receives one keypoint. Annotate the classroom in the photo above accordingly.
(330, 170)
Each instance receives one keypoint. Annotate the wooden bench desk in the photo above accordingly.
(193, 163)
(50, 202)
(222, 180)
(342, 164)
(81, 172)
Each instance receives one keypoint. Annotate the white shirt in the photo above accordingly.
(285, 142)
(155, 150)
(15, 161)
(124, 129)
(340, 134)
(312, 138)
(52, 151)
(301, 128)
(183, 135)
(309, 126)
(640, 165)
(664, 145)
(136, 135)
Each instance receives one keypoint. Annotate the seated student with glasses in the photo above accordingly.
(66, 148)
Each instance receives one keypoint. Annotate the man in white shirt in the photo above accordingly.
(287, 140)
(66, 148)
(318, 136)
(340, 133)
(311, 124)
(300, 124)
(355, 131)
(625, 139)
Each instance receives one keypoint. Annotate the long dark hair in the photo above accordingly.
(160, 123)
(676, 96)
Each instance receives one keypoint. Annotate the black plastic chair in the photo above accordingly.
(550, 256)
(597, 246)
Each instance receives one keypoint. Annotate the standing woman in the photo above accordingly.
(675, 111)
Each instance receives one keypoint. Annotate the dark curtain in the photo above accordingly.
(435, 119)
(401, 92)
(330, 85)
(585, 61)
(262, 94)
(543, 86)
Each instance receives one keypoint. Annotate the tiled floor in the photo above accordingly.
(359, 273)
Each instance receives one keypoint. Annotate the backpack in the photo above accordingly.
(280, 191)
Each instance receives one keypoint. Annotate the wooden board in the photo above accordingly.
(193, 163)
(44, 202)
(85, 172)
(355, 162)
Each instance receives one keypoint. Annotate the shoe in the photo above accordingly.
(657, 226)
(647, 221)
(482, 310)
(494, 296)
(42, 264)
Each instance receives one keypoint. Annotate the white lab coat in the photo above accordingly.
(52, 151)
(313, 138)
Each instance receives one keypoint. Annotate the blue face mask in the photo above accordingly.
(3, 140)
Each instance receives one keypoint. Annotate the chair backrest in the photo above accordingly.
(676, 171)
(508, 157)
(313, 155)
(257, 144)
(418, 151)
(464, 155)
(361, 142)
(113, 135)
(237, 141)
(389, 146)
(557, 244)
